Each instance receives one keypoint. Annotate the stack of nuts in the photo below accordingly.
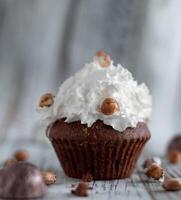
(103, 59)
(49, 177)
(152, 168)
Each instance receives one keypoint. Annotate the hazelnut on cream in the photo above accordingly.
(102, 58)
(109, 106)
(46, 100)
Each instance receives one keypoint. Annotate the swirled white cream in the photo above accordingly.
(80, 97)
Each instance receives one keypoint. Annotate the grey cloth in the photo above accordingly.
(43, 42)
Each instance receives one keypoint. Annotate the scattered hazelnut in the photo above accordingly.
(172, 184)
(81, 190)
(49, 177)
(174, 156)
(102, 58)
(87, 177)
(46, 100)
(148, 162)
(155, 171)
(10, 162)
(21, 155)
(109, 106)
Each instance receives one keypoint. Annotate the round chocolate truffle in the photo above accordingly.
(21, 181)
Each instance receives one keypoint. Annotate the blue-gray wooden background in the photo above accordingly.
(42, 42)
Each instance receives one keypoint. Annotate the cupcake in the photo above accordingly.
(97, 123)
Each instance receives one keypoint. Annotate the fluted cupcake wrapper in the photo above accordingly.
(104, 161)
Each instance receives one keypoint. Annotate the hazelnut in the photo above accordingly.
(49, 177)
(155, 171)
(172, 184)
(148, 162)
(102, 58)
(174, 156)
(81, 190)
(109, 106)
(21, 155)
(10, 162)
(46, 100)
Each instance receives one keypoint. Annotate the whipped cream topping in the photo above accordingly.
(80, 98)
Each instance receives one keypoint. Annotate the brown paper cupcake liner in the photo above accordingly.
(104, 161)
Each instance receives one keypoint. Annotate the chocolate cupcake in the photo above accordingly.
(97, 121)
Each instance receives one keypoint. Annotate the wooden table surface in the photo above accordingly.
(133, 188)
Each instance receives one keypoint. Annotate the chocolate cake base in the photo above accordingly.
(98, 150)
